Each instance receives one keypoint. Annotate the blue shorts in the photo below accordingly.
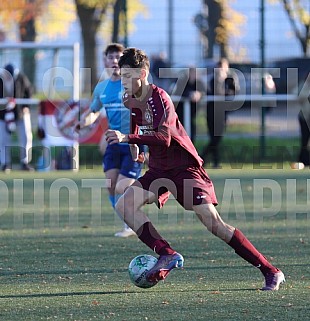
(118, 156)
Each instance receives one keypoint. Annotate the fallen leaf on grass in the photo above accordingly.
(216, 292)
(95, 302)
(65, 278)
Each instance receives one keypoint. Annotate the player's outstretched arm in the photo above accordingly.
(83, 121)
(115, 137)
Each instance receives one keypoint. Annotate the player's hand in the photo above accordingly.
(115, 136)
(103, 144)
(195, 96)
(82, 122)
(142, 158)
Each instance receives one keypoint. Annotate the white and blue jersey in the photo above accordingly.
(108, 95)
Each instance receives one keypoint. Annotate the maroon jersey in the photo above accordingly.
(155, 117)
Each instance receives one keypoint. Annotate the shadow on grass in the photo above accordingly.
(102, 271)
(42, 295)
(63, 272)
(68, 294)
(97, 271)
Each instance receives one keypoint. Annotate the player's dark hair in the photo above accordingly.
(114, 47)
(134, 58)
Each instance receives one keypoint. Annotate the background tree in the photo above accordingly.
(24, 13)
(299, 17)
(223, 23)
(35, 17)
(214, 14)
(27, 32)
(49, 18)
(117, 11)
(105, 18)
(91, 14)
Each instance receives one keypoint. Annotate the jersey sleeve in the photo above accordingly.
(163, 121)
(160, 137)
(95, 104)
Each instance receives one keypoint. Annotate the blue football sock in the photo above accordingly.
(112, 200)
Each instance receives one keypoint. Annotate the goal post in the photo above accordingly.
(55, 48)
(10, 53)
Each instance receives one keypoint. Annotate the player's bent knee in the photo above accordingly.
(122, 184)
(130, 201)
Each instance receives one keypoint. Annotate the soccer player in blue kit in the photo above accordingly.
(118, 164)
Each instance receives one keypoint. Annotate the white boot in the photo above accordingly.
(126, 232)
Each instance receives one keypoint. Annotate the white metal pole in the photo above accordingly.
(76, 71)
(76, 97)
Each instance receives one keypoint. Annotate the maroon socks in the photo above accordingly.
(150, 237)
(244, 248)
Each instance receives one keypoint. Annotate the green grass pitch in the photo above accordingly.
(59, 259)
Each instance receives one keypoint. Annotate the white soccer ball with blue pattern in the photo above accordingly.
(138, 268)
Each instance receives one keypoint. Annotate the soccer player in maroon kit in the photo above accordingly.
(174, 167)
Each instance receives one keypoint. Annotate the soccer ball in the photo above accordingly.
(138, 268)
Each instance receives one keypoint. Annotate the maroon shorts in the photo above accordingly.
(190, 186)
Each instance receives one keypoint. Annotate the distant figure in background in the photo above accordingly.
(15, 117)
(304, 123)
(160, 62)
(192, 87)
(223, 83)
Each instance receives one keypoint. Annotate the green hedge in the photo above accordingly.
(237, 151)
(234, 151)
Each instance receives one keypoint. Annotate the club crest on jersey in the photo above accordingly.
(148, 115)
